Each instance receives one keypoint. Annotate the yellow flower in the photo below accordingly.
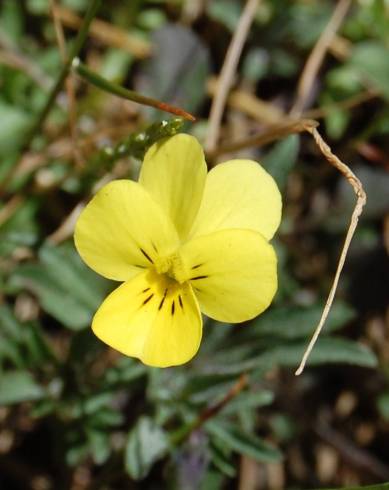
(180, 241)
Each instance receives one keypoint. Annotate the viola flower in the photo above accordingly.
(182, 241)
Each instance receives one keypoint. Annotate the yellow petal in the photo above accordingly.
(122, 231)
(152, 318)
(174, 173)
(239, 194)
(233, 273)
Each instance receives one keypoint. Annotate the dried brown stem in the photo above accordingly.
(348, 103)
(19, 62)
(265, 137)
(106, 33)
(69, 84)
(316, 57)
(361, 201)
(9, 208)
(310, 126)
(211, 411)
(228, 70)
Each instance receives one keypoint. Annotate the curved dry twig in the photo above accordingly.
(361, 201)
(228, 70)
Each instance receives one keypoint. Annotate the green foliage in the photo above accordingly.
(109, 415)
(243, 443)
(371, 61)
(66, 288)
(146, 444)
(178, 70)
(282, 158)
(383, 486)
(19, 386)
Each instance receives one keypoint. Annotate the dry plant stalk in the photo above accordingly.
(227, 72)
(294, 123)
(69, 84)
(276, 132)
(361, 201)
(316, 57)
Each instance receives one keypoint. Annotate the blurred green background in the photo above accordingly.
(76, 415)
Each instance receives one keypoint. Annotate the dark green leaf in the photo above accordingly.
(66, 288)
(178, 69)
(146, 444)
(280, 160)
(243, 443)
(247, 400)
(19, 386)
(371, 59)
(383, 405)
(296, 321)
(381, 486)
(326, 351)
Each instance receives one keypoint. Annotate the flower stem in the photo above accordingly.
(181, 434)
(76, 48)
(107, 86)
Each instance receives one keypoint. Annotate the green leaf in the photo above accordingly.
(222, 462)
(381, 486)
(21, 229)
(280, 160)
(19, 386)
(383, 406)
(9, 325)
(326, 351)
(22, 343)
(98, 442)
(371, 60)
(247, 400)
(146, 444)
(66, 288)
(293, 322)
(178, 70)
(15, 122)
(243, 443)
(225, 12)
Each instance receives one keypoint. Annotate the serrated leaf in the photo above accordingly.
(146, 444)
(19, 386)
(247, 444)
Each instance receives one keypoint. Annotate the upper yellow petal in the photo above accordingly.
(152, 318)
(239, 194)
(174, 173)
(233, 273)
(122, 231)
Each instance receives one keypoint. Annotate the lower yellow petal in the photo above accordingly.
(153, 318)
(233, 273)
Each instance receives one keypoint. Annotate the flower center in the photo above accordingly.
(173, 266)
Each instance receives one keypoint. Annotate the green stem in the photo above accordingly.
(120, 91)
(75, 50)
